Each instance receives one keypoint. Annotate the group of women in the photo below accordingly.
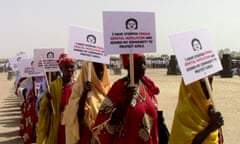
(27, 100)
(94, 111)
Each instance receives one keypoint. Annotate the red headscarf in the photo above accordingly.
(65, 60)
(125, 58)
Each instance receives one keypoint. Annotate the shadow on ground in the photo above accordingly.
(10, 116)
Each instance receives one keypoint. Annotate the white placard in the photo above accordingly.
(21, 56)
(15, 61)
(129, 32)
(85, 44)
(27, 69)
(196, 55)
(48, 57)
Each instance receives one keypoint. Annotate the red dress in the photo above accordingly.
(29, 119)
(86, 134)
(140, 124)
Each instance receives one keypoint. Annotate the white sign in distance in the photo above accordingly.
(27, 69)
(47, 58)
(16, 60)
(86, 44)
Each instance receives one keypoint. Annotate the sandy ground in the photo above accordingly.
(226, 98)
(9, 112)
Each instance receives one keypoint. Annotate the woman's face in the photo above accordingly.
(99, 69)
(131, 25)
(139, 67)
(50, 55)
(91, 39)
(68, 70)
(196, 45)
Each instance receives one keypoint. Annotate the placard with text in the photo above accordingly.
(86, 44)
(129, 32)
(47, 59)
(14, 61)
(196, 54)
(27, 69)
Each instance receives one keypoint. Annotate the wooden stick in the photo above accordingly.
(48, 87)
(89, 71)
(131, 68)
(211, 98)
(34, 87)
(209, 91)
(49, 77)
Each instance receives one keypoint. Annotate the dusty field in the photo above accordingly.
(226, 98)
(9, 112)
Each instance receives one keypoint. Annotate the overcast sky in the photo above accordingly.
(28, 24)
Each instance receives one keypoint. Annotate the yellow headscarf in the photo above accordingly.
(92, 105)
(191, 116)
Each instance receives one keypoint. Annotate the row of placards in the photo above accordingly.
(132, 32)
(44, 60)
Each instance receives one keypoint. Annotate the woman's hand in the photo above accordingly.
(216, 119)
(87, 86)
(130, 93)
(121, 108)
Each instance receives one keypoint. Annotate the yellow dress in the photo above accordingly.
(48, 123)
(191, 116)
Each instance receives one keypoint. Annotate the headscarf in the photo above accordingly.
(65, 60)
(92, 105)
(125, 58)
(191, 115)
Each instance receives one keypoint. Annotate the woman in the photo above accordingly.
(195, 121)
(50, 128)
(85, 102)
(51, 76)
(25, 91)
(129, 113)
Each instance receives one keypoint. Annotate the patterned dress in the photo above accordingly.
(140, 124)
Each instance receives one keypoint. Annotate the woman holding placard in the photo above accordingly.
(129, 112)
(195, 120)
(53, 102)
(88, 93)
